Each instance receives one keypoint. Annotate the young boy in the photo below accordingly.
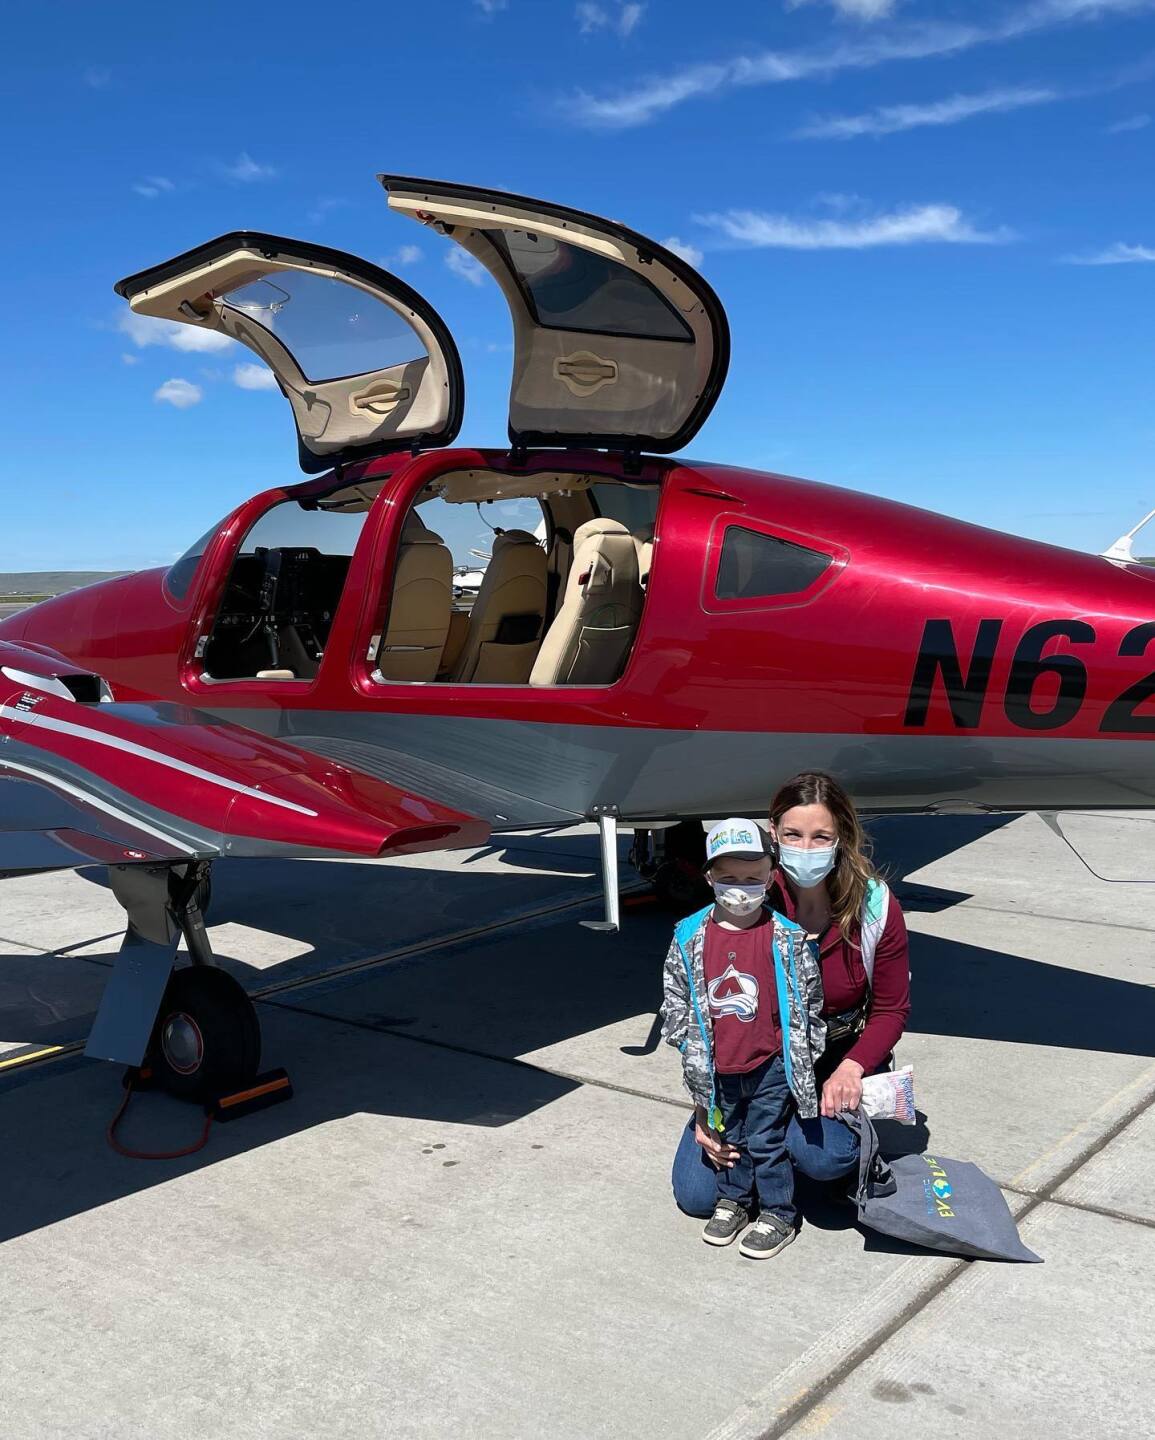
(743, 1003)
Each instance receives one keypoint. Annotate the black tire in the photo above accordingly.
(207, 1040)
(680, 888)
(686, 841)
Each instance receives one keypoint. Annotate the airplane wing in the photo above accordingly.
(150, 791)
(82, 784)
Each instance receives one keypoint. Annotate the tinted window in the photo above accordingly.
(756, 565)
(180, 575)
(330, 328)
(634, 505)
(571, 289)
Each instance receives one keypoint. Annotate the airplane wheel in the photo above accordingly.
(680, 887)
(208, 1038)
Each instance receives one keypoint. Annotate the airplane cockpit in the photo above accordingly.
(565, 562)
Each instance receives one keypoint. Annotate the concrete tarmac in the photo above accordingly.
(462, 1223)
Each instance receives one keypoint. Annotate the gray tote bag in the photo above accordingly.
(928, 1200)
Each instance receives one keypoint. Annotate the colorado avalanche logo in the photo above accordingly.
(734, 993)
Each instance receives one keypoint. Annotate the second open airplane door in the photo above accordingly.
(366, 363)
(618, 343)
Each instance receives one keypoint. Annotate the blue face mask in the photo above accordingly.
(807, 867)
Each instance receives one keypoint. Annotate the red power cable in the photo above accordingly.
(129, 1091)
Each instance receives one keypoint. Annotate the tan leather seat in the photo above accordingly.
(422, 598)
(506, 620)
(557, 570)
(589, 640)
(644, 545)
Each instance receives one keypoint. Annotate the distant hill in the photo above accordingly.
(51, 582)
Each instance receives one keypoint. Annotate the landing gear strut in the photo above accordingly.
(194, 1028)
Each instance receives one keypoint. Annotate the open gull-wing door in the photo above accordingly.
(617, 341)
(366, 363)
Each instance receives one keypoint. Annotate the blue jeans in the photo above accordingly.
(820, 1148)
(756, 1110)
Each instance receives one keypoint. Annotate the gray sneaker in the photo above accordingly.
(727, 1220)
(768, 1234)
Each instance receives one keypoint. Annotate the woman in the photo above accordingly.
(824, 882)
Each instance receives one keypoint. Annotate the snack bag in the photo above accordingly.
(890, 1096)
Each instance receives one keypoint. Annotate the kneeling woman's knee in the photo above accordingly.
(821, 1148)
(694, 1179)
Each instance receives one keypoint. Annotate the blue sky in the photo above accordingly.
(933, 228)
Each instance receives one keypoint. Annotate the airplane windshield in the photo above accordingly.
(285, 584)
(180, 574)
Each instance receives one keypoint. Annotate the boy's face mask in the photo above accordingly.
(739, 899)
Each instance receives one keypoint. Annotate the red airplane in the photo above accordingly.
(684, 636)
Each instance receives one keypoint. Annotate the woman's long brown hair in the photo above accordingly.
(852, 867)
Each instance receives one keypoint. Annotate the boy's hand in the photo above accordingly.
(719, 1154)
(843, 1090)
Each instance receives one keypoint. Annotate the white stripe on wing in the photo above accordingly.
(129, 747)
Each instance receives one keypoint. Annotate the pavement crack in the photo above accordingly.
(1079, 920)
(83, 944)
(1089, 1206)
(20, 945)
(807, 1400)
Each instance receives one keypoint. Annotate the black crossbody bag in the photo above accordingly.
(846, 1027)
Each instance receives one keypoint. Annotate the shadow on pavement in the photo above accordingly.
(436, 1037)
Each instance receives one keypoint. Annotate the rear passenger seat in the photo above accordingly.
(593, 631)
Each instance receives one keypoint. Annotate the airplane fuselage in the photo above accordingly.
(931, 663)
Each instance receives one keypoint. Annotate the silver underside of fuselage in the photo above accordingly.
(522, 774)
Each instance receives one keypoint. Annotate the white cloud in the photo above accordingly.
(131, 359)
(245, 169)
(252, 376)
(181, 393)
(325, 206)
(401, 257)
(144, 330)
(890, 119)
(642, 101)
(97, 77)
(621, 18)
(491, 7)
(1136, 122)
(639, 103)
(915, 225)
(153, 185)
(854, 9)
(1118, 254)
(465, 267)
(689, 253)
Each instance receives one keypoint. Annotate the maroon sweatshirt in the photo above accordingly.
(844, 980)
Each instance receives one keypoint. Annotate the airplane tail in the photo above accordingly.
(1123, 548)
